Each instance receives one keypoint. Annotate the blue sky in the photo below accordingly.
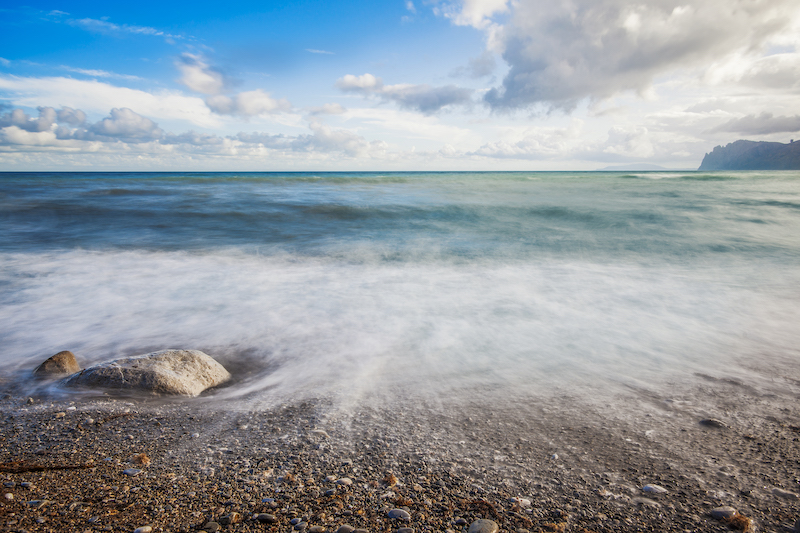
(393, 85)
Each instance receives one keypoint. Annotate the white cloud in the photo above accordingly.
(199, 76)
(423, 98)
(103, 26)
(98, 97)
(562, 53)
(247, 104)
(313, 51)
(5, 62)
(100, 73)
(327, 109)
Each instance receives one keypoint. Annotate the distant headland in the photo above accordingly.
(753, 155)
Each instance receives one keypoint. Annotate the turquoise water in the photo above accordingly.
(356, 284)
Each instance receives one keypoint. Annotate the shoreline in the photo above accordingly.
(581, 465)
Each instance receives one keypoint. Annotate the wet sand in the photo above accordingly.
(555, 463)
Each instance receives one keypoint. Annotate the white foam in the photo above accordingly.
(306, 327)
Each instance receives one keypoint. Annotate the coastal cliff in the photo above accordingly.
(753, 155)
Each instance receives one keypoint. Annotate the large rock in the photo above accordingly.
(186, 372)
(61, 364)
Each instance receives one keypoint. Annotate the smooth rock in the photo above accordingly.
(399, 514)
(405, 530)
(316, 529)
(484, 526)
(181, 372)
(132, 472)
(61, 364)
(266, 518)
(211, 527)
(143, 529)
(723, 512)
(345, 528)
(344, 481)
(655, 489)
(8, 496)
(231, 518)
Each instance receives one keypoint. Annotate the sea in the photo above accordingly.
(370, 287)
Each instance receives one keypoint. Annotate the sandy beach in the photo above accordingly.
(557, 463)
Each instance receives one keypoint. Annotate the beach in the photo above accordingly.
(554, 464)
(549, 351)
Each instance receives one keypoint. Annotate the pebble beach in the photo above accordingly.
(716, 457)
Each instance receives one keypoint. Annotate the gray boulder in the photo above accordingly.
(183, 372)
(61, 364)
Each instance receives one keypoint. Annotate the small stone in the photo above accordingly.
(8, 496)
(60, 414)
(406, 530)
(61, 364)
(484, 526)
(346, 528)
(266, 518)
(143, 529)
(230, 518)
(522, 502)
(655, 489)
(211, 527)
(9, 484)
(38, 504)
(131, 471)
(344, 481)
(460, 522)
(401, 514)
(300, 526)
(713, 423)
(26, 485)
(554, 457)
(785, 494)
(330, 492)
(723, 512)
(316, 529)
(360, 531)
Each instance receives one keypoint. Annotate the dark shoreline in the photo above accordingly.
(582, 465)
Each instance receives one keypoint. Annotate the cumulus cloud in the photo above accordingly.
(199, 76)
(247, 104)
(124, 129)
(127, 125)
(762, 124)
(423, 98)
(562, 53)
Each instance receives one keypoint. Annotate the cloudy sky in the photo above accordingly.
(393, 84)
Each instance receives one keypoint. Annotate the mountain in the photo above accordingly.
(753, 155)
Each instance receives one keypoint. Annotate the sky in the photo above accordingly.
(392, 85)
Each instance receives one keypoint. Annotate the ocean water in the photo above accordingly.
(367, 287)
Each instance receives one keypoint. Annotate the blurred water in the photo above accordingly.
(371, 286)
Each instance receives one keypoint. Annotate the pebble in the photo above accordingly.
(460, 522)
(9, 484)
(401, 514)
(231, 518)
(38, 504)
(723, 512)
(210, 527)
(8, 496)
(346, 528)
(523, 502)
(484, 526)
(656, 489)
(344, 481)
(132, 472)
(26, 485)
(713, 423)
(61, 414)
(406, 530)
(316, 529)
(143, 529)
(266, 518)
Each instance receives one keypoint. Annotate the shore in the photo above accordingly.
(557, 463)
